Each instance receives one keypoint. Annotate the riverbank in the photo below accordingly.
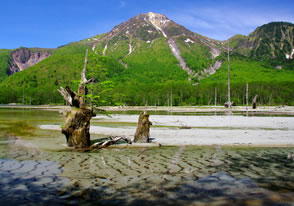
(267, 110)
(287, 109)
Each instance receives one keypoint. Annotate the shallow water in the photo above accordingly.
(35, 167)
(212, 113)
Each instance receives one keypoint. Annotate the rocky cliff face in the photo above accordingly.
(23, 58)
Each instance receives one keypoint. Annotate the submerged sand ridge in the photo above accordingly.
(202, 130)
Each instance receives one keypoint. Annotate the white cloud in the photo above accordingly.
(221, 23)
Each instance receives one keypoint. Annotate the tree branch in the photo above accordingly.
(70, 92)
(92, 80)
(254, 99)
(67, 97)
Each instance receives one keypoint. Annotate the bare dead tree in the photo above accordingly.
(215, 96)
(77, 125)
(254, 102)
(229, 103)
(247, 95)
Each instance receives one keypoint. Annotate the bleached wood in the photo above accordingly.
(67, 97)
(254, 102)
(83, 74)
(111, 141)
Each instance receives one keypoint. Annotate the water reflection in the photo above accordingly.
(246, 113)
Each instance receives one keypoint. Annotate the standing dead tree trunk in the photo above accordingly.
(142, 132)
(254, 102)
(77, 125)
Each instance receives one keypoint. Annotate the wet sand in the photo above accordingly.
(182, 175)
(173, 175)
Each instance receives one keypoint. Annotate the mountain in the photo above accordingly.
(137, 35)
(270, 41)
(150, 59)
(12, 61)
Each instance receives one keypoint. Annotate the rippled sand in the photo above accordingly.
(166, 175)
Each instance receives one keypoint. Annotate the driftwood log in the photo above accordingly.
(254, 102)
(111, 141)
(77, 125)
(143, 128)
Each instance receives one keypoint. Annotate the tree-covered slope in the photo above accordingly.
(4, 63)
(272, 85)
(40, 82)
(273, 41)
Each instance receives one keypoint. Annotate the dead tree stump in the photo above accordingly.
(143, 128)
(254, 102)
(77, 125)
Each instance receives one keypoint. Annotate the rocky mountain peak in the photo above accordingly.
(143, 30)
(157, 19)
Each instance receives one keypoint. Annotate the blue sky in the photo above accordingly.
(52, 23)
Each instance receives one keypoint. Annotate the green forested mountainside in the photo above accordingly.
(272, 85)
(140, 85)
(139, 69)
(271, 41)
(4, 63)
(40, 82)
(196, 55)
(152, 64)
(64, 67)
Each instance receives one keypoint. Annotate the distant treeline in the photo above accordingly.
(170, 93)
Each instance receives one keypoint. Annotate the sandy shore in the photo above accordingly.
(204, 130)
(286, 110)
(273, 109)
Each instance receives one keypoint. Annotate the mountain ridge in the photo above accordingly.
(150, 26)
(274, 40)
(159, 25)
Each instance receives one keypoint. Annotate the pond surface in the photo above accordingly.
(37, 169)
(212, 113)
